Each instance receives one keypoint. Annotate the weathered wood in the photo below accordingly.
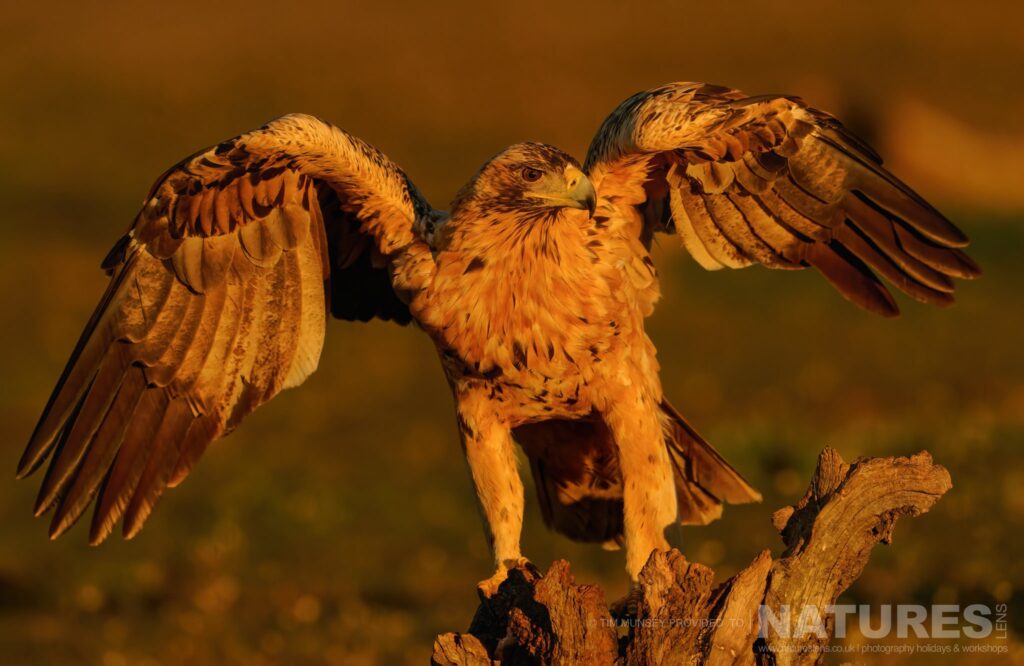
(829, 533)
(682, 617)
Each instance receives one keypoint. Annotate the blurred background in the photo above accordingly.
(339, 525)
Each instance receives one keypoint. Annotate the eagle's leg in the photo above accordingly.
(490, 452)
(649, 492)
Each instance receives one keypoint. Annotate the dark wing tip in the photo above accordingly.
(893, 312)
(852, 278)
(953, 235)
(36, 452)
(969, 269)
(881, 303)
(62, 522)
(97, 537)
(25, 467)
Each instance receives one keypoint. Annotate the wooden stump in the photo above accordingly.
(683, 618)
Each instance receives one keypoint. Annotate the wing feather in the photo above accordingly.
(880, 231)
(151, 293)
(851, 278)
(946, 260)
(863, 248)
(162, 456)
(95, 405)
(182, 378)
(733, 225)
(76, 378)
(141, 437)
(717, 244)
(686, 229)
(771, 181)
(258, 245)
(778, 240)
(173, 349)
(219, 376)
(218, 300)
(789, 217)
(99, 454)
(169, 320)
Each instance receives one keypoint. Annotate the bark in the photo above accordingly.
(682, 617)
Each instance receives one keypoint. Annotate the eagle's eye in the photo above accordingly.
(531, 175)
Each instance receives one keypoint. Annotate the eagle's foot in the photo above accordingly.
(628, 607)
(488, 588)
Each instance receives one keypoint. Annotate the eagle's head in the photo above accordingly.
(531, 180)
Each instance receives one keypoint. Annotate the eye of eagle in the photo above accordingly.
(531, 175)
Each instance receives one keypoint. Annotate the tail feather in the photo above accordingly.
(704, 480)
(576, 473)
(579, 483)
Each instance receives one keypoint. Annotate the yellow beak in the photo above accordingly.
(581, 192)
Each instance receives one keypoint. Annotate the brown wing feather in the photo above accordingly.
(768, 180)
(99, 454)
(75, 380)
(217, 302)
(93, 409)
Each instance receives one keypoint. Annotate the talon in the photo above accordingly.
(488, 588)
(529, 567)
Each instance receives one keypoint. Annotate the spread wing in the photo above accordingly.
(217, 301)
(768, 180)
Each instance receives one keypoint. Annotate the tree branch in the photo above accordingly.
(683, 618)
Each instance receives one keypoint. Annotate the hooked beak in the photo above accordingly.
(581, 191)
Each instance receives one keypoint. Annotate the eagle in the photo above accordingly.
(533, 286)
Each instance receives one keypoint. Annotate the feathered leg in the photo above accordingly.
(490, 452)
(649, 493)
